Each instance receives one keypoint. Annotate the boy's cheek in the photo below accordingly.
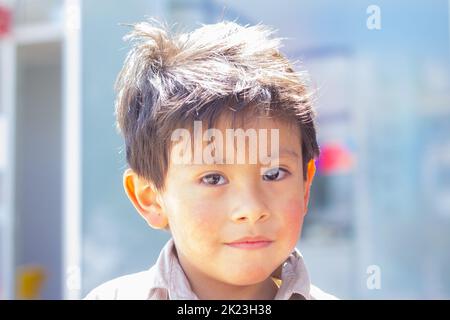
(294, 215)
(193, 214)
(196, 228)
(294, 208)
(204, 217)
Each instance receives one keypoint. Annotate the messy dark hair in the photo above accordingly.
(171, 79)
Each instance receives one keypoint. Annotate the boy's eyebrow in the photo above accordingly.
(282, 152)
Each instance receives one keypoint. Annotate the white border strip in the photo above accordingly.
(71, 271)
(8, 74)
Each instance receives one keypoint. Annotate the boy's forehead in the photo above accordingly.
(247, 137)
(289, 131)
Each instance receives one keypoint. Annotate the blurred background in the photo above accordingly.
(379, 220)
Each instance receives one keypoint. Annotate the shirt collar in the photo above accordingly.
(294, 278)
(168, 277)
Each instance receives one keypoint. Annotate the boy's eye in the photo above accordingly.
(214, 179)
(275, 174)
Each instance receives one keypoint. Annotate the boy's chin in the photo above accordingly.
(248, 276)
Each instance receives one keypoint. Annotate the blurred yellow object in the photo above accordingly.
(30, 280)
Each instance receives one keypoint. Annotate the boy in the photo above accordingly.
(234, 221)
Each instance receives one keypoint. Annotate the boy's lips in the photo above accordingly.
(250, 243)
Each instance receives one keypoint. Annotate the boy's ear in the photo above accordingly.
(144, 198)
(310, 172)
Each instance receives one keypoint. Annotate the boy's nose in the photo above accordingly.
(250, 208)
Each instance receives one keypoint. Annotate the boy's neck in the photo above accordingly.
(207, 288)
(214, 290)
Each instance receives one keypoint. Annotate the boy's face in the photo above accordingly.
(209, 208)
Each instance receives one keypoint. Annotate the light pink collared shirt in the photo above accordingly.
(167, 280)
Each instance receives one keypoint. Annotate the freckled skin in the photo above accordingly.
(202, 218)
(294, 218)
